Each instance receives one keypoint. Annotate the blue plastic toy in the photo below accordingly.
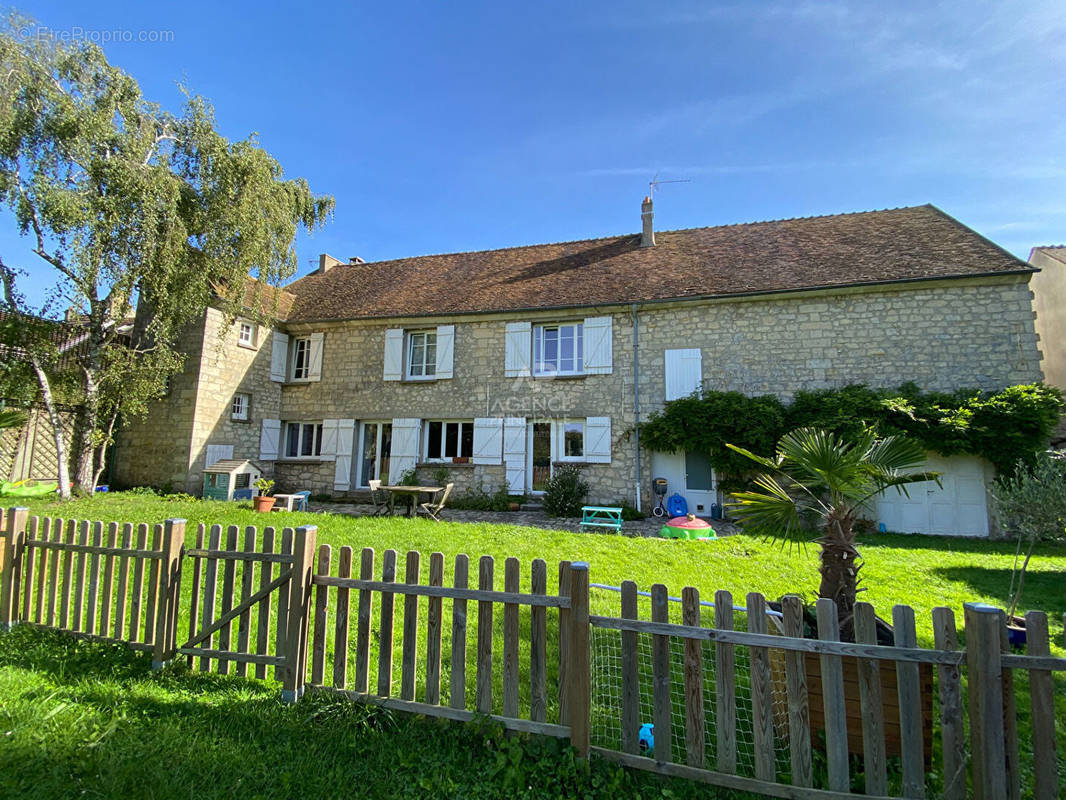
(646, 740)
(676, 506)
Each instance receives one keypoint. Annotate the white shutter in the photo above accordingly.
(684, 372)
(598, 440)
(214, 453)
(514, 453)
(314, 367)
(518, 349)
(393, 354)
(597, 335)
(488, 440)
(269, 439)
(404, 453)
(445, 350)
(279, 357)
(329, 440)
(342, 472)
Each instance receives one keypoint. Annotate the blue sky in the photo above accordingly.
(460, 126)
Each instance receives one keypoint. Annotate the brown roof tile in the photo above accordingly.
(872, 247)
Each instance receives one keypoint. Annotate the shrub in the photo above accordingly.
(629, 513)
(565, 492)
(476, 499)
(441, 476)
(409, 477)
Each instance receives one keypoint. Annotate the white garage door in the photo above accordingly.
(957, 508)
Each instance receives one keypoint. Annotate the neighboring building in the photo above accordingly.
(1049, 289)
(502, 364)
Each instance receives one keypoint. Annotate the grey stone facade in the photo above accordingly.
(946, 334)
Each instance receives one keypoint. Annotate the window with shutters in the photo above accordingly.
(303, 440)
(301, 358)
(239, 407)
(445, 441)
(421, 355)
(558, 349)
(571, 440)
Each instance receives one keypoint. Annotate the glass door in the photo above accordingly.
(540, 455)
(375, 451)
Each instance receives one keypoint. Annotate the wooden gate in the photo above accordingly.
(270, 633)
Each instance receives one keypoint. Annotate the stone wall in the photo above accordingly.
(155, 450)
(942, 335)
(167, 447)
(226, 368)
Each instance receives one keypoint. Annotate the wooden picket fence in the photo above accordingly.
(277, 600)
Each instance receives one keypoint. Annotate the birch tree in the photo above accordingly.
(125, 203)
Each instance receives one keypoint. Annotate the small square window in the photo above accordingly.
(243, 481)
(247, 334)
(239, 407)
(573, 441)
(303, 439)
(558, 349)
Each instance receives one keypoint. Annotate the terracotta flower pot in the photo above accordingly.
(263, 504)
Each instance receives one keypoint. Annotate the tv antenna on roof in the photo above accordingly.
(656, 182)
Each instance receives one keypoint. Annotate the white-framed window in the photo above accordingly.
(303, 440)
(448, 440)
(558, 349)
(239, 407)
(570, 442)
(421, 355)
(301, 358)
(247, 334)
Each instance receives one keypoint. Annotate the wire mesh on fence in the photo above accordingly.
(606, 666)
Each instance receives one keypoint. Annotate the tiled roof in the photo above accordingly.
(1055, 251)
(902, 244)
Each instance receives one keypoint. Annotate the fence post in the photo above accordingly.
(578, 671)
(169, 592)
(985, 674)
(295, 671)
(11, 550)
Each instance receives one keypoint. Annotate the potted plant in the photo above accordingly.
(263, 501)
(1031, 502)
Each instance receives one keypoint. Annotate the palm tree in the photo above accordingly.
(10, 418)
(819, 480)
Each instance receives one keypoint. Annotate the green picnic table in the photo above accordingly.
(601, 517)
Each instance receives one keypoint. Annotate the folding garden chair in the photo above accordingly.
(304, 503)
(382, 506)
(433, 509)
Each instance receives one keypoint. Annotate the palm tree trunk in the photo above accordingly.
(840, 571)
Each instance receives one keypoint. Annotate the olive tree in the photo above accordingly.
(1031, 504)
(129, 203)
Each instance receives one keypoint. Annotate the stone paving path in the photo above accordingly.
(537, 519)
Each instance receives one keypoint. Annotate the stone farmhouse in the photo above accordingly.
(501, 365)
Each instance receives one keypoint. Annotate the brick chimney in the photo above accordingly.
(647, 236)
(326, 262)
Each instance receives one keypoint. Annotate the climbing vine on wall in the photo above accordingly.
(1004, 427)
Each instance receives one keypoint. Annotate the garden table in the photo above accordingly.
(412, 493)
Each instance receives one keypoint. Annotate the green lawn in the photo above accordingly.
(920, 571)
(84, 720)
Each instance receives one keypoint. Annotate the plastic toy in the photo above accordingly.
(688, 527)
(677, 506)
(646, 740)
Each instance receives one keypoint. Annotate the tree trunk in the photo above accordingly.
(57, 428)
(840, 571)
(84, 439)
(101, 451)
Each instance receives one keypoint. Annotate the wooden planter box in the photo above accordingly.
(889, 703)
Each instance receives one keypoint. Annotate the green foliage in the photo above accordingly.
(477, 499)
(265, 486)
(12, 418)
(1032, 504)
(409, 477)
(441, 476)
(128, 202)
(565, 492)
(704, 423)
(629, 513)
(1004, 427)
